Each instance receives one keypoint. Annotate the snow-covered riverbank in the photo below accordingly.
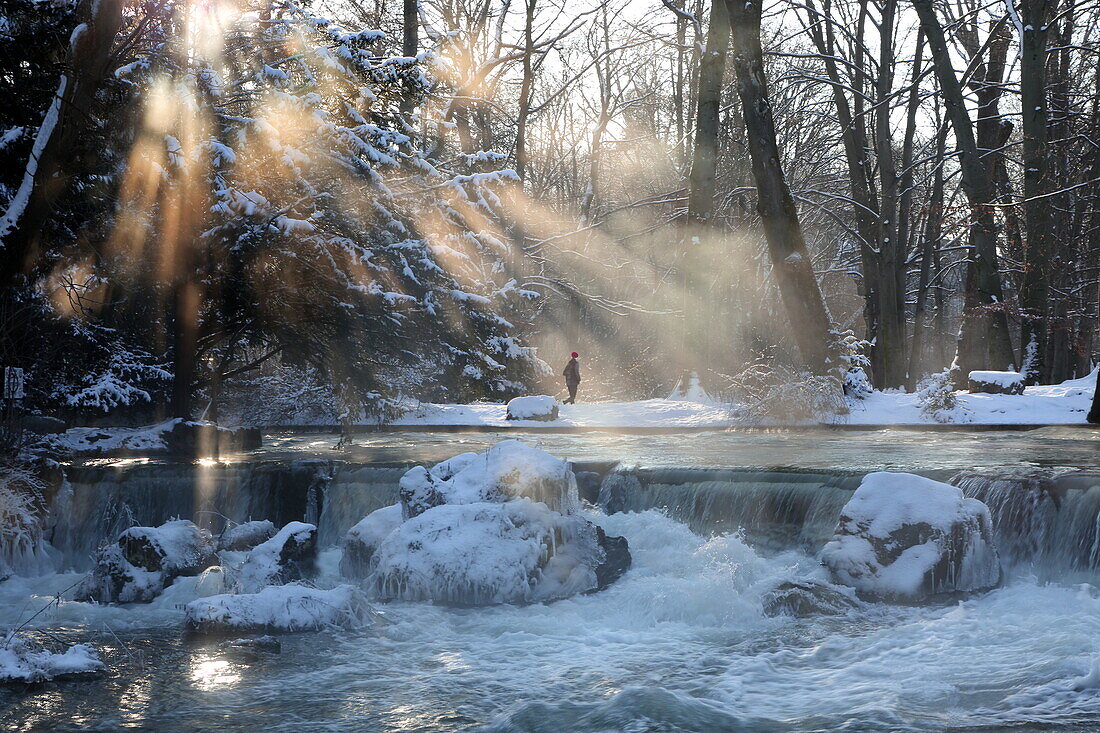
(1060, 404)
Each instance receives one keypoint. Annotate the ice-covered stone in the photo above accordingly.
(510, 469)
(538, 407)
(291, 554)
(500, 527)
(280, 608)
(144, 560)
(22, 663)
(246, 536)
(486, 553)
(364, 538)
(905, 538)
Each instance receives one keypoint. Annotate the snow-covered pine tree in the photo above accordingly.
(279, 205)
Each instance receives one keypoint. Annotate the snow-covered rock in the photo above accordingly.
(22, 663)
(537, 407)
(486, 553)
(364, 538)
(510, 469)
(996, 382)
(500, 527)
(280, 608)
(144, 560)
(246, 536)
(905, 538)
(291, 554)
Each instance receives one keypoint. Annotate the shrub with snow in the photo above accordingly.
(281, 608)
(20, 662)
(23, 548)
(540, 407)
(144, 560)
(769, 394)
(905, 538)
(499, 527)
(937, 399)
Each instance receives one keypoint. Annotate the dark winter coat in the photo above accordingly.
(572, 372)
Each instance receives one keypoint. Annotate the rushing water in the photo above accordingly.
(679, 643)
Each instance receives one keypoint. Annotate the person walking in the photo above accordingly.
(572, 376)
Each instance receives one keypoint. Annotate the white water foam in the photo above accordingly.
(679, 643)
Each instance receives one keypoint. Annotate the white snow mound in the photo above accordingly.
(536, 407)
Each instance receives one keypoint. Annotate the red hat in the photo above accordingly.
(574, 355)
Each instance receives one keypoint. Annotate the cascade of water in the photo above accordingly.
(99, 501)
(1045, 523)
(354, 492)
(775, 510)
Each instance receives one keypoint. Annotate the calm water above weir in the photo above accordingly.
(714, 520)
(820, 448)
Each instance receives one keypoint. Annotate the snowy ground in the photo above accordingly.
(1062, 404)
(1050, 404)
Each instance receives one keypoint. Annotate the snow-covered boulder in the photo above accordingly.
(905, 538)
(291, 554)
(500, 527)
(22, 663)
(280, 608)
(802, 598)
(996, 382)
(246, 536)
(486, 553)
(508, 470)
(364, 538)
(538, 407)
(144, 560)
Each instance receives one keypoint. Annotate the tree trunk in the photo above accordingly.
(853, 136)
(704, 163)
(892, 255)
(983, 338)
(798, 287)
(51, 168)
(410, 42)
(526, 82)
(1037, 219)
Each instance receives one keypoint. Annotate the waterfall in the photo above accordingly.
(98, 501)
(775, 510)
(354, 492)
(1044, 523)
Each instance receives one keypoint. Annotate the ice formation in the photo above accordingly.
(499, 527)
(291, 554)
(363, 540)
(20, 662)
(144, 560)
(905, 538)
(279, 608)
